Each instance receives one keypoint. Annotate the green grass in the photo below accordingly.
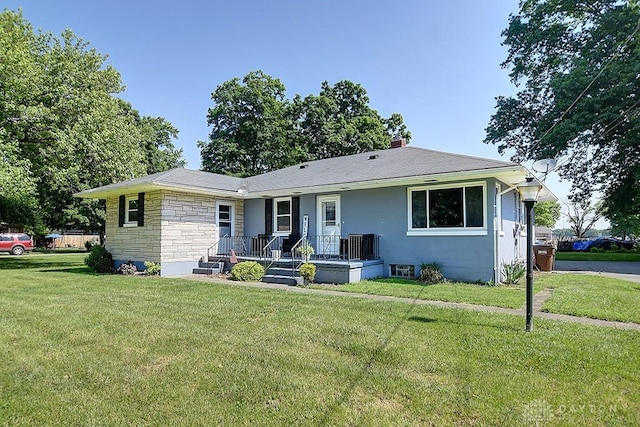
(84, 349)
(511, 296)
(598, 256)
(598, 297)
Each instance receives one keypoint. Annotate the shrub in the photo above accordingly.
(128, 269)
(247, 271)
(308, 272)
(513, 272)
(152, 268)
(430, 273)
(99, 260)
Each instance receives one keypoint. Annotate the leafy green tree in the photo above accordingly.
(576, 64)
(63, 130)
(18, 202)
(625, 226)
(156, 141)
(547, 214)
(339, 122)
(250, 127)
(256, 129)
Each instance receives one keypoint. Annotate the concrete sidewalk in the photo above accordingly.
(538, 301)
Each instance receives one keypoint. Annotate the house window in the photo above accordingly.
(403, 270)
(224, 211)
(132, 211)
(282, 216)
(439, 210)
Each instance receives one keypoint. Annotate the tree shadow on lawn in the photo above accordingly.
(76, 270)
(35, 263)
(462, 318)
(421, 319)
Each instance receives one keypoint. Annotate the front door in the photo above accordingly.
(328, 225)
(224, 219)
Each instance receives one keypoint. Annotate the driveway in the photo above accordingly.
(620, 270)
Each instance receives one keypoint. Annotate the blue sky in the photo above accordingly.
(435, 62)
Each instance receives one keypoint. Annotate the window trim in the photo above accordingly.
(232, 219)
(447, 231)
(498, 226)
(275, 216)
(127, 222)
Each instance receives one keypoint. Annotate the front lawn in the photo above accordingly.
(598, 297)
(511, 296)
(598, 256)
(83, 349)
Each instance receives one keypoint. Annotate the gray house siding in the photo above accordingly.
(253, 217)
(383, 211)
(512, 239)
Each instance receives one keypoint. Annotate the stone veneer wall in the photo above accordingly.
(188, 226)
(239, 213)
(178, 228)
(135, 243)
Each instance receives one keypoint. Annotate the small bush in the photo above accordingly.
(152, 268)
(247, 271)
(127, 269)
(99, 260)
(513, 272)
(306, 250)
(308, 272)
(430, 273)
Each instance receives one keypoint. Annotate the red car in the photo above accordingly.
(15, 244)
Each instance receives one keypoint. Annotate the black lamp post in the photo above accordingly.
(529, 190)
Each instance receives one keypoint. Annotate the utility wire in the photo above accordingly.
(615, 56)
(607, 129)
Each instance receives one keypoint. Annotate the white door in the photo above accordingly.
(328, 225)
(224, 218)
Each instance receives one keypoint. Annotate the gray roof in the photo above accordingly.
(197, 181)
(364, 168)
(374, 166)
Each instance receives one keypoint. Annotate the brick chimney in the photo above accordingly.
(398, 142)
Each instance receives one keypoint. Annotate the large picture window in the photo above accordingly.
(447, 208)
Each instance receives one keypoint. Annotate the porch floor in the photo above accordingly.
(332, 270)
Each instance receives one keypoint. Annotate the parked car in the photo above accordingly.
(15, 243)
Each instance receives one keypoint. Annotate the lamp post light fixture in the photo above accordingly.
(529, 190)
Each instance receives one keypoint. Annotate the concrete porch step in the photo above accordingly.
(211, 264)
(208, 267)
(199, 270)
(282, 280)
(281, 271)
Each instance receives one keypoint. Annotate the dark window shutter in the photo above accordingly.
(121, 208)
(268, 217)
(140, 209)
(295, 216)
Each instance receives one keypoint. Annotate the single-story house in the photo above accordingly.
(375, 214)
